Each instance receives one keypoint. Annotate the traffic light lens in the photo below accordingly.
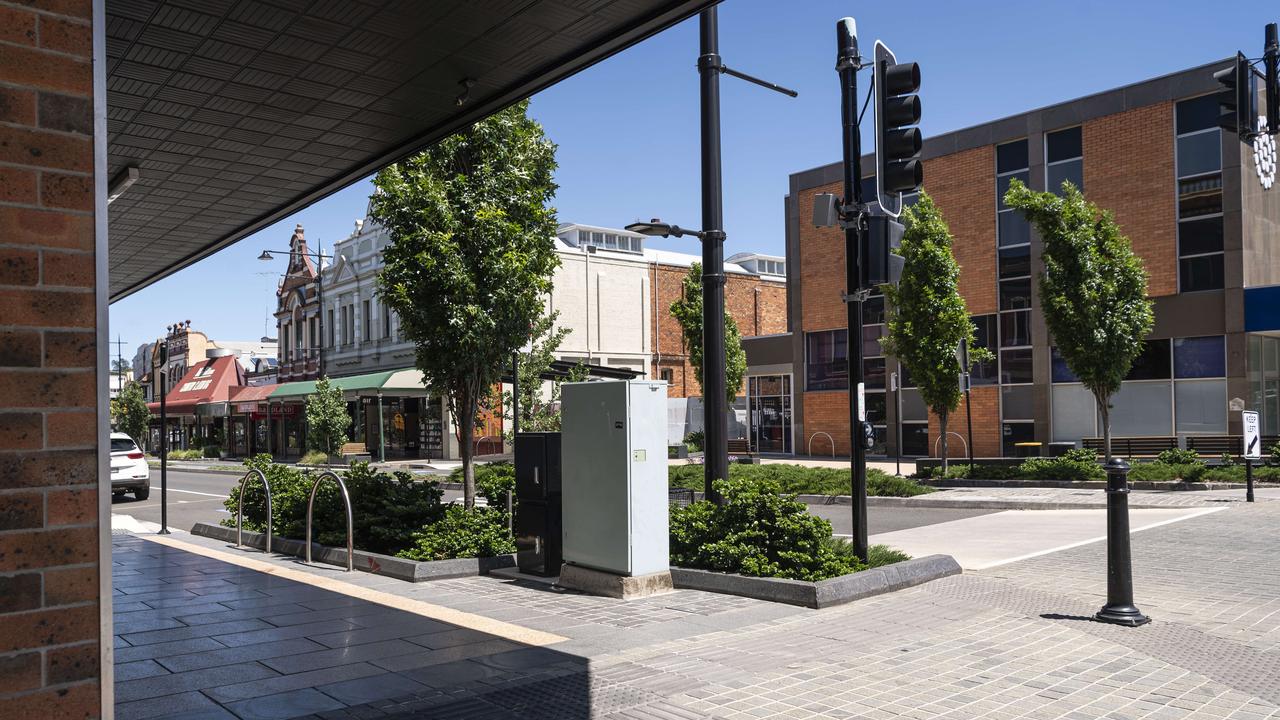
(904, 142)
(903, 176)
(903, 110)
(901, 79)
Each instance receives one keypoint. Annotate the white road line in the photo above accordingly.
(191, 492)
(1102, 538)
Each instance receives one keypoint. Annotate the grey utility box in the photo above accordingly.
(614, 476)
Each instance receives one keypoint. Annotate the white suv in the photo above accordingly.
(129, 471)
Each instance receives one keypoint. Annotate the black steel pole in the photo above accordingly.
(1248, 479)
(715, 426)
(1119, 609)
(1271, 64)
(164, 444)
(320, 313)
(897, 422)
(847, 66)
(515, 396)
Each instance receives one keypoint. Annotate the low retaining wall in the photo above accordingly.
(1087, 484)
(378, 564)
(824, 593)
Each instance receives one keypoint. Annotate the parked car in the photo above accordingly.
(129, 470)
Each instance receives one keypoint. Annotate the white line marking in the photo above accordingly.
(193, 492)
(1069, 546)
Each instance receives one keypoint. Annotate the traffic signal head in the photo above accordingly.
(898, 142)
(868, 436)
(1236, 107)
(880, 264)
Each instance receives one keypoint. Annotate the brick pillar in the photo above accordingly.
(51, 591)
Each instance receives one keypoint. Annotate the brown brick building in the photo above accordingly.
(1188, 196)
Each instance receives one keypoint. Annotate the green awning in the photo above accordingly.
(408, 380)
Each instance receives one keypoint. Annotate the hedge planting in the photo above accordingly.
(802, 480)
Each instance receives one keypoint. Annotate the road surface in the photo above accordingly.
(198, 497)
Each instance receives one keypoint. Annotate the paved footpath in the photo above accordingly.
(1014, 641)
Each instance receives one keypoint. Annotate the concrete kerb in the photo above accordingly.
(375, 563)
(824, 593)
(1088, 484)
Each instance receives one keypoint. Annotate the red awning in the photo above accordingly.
(246, 399)
(206, 381)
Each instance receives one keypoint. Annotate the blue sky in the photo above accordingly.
(627, 128)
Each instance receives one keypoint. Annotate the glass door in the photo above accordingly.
(770, 413)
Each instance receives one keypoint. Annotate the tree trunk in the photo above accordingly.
(1104, 407)
(942, 426)
(467, 424)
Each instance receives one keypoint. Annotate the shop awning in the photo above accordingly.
(387, 381)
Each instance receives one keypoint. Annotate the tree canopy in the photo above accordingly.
(327, 418)
(927, 318)
(130, 413)
(1093, 289)
(687, 311)
(471, 256)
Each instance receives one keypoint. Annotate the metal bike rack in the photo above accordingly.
(266, 486)
(809, 447)
(346, 500)
(949, 434)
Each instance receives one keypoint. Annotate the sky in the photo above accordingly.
(628, 134)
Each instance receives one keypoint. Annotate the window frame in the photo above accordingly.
(1057, 163)
(808, 359)
(1001, 311)
(1178, 179)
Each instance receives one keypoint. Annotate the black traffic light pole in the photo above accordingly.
(715, 429)
(164, 439)
(847, 65)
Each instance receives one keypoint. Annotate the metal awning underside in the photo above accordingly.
(240, 112)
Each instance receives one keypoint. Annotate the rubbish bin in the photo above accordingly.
(538, 520)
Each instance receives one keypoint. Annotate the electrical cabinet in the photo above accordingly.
(537, 521)
(614, 476)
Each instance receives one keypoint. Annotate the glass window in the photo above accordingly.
(1201, 273)
(1014, 433)
(1072, 172)
(1012, 156)
(1061, 371)
(1063, 145)
(827, 360)
(1200, 196)
(871, 335)
(875, 407)
(873, 311)
(1018, 402)
(1015, 366)
(984, 336)
(122, 445)
(1003, 182)
(1199, 357)
(1200, 236)
(1142, 408)
(873, 373)
(1201, 406)
(1153, 363)
(913, 407)
(915, 439)
(1015, 294)
(1197, 114)
(1013, 228)
(1015, 328)
(1074, 413)
(1015, 261)
(1199, 154)
(367, 329)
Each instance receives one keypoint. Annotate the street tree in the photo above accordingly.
(1093, 290)
(687, 310)
(471, 256)
(327, 418)
(130, 413)
(927, 319)
(539, 408)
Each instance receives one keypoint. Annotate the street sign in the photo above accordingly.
(1252, 435)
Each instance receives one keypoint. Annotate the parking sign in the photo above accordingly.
(1252, 437)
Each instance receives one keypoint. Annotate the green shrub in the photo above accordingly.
(1168, 472)
(314, 457)
(974, 472)
(192, 454)
(462, 533)
(798, 479)
(387, 509)
(759, 532)
(695, 441)
(1178, 456)
(877, 555)
(211, 451)
(493, 480)
(1072, 468)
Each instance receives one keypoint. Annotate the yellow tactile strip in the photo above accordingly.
(471, 621)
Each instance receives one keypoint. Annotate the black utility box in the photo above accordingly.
(538, 527)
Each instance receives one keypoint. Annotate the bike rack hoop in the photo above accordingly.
(346, 500)
(266, 486)
(832, 442)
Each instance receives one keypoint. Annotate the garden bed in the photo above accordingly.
(801, 480)
(375, 563)
(823, 593)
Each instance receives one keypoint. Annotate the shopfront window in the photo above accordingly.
(827, 360)
(769, 412)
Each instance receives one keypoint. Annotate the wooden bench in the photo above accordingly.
(1133, 446)
(355, 450)
(1216, 445)
(740, 446)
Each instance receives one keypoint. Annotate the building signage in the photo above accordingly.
(1252, 436)
(1264, 155)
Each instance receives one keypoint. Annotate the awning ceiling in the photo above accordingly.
(388, 381)
(240, 112)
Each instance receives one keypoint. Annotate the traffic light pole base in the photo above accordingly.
(1127, 615)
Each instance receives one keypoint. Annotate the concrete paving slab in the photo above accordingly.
(986, 541)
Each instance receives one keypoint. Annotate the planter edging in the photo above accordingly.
(824, 593)
(375, 563)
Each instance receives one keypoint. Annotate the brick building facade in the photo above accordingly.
(1184, 192)
(52, 366)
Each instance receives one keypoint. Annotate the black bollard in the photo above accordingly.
(1248, 479)
(1119, 609)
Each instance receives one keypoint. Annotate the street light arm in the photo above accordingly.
(762, 83)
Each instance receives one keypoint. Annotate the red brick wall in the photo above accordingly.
(759, 307)
(986, 425)
(1129, 170)
(49, 584)
(964, 187)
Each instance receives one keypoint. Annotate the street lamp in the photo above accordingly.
(320, 257)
